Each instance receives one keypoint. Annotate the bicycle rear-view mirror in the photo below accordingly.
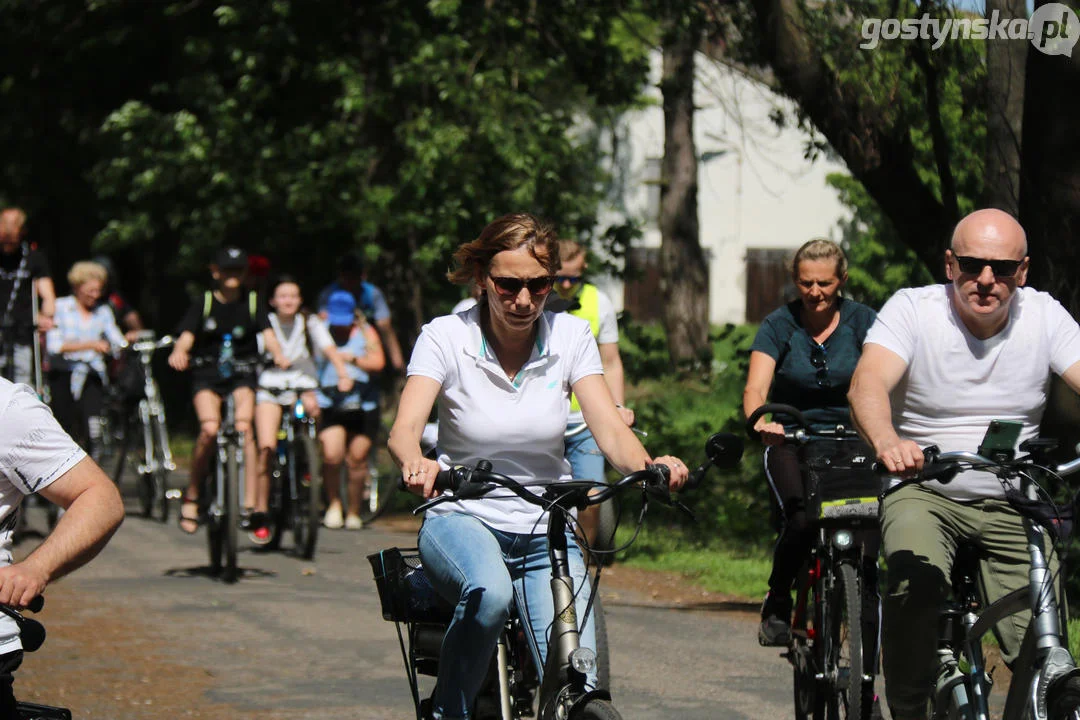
(724, 449)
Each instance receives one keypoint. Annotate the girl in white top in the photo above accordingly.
(299, 334)
(502, 373)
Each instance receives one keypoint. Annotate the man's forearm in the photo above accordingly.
(871, 412)
(390, 343)
(82, 532)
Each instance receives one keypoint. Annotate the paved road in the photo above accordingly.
(143, 632)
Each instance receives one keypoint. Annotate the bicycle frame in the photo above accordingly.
(1042, 647)
(1043, 662)
(152, 413)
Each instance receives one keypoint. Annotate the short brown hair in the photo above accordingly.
(509, 232)
(820, 249)
(569, 250)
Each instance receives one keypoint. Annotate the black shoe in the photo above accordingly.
(774, 632)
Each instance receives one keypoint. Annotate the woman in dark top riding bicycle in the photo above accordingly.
(803, 355)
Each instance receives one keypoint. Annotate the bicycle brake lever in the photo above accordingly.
(424, 507)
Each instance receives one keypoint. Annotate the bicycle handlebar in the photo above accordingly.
(803, 433)
(469, 483)
(31, 632)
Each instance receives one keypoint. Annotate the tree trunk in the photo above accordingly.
(684, 276)
(1005, 63)
(1050, 178)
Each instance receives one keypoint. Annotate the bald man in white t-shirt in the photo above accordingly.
(937, 366)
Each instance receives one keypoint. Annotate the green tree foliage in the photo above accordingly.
(303, 129)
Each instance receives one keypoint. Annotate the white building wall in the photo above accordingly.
(755, 187)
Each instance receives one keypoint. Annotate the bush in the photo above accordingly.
(679, 413)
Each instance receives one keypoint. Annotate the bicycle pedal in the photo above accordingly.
(174, 494)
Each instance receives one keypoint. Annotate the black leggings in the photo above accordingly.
(796, 536)
(74, 415)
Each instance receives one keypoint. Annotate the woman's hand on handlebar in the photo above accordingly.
(679, 471)
(345, 384)
(901, 457)
(772, 433)
(419, 477)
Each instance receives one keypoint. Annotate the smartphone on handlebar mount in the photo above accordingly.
(999, 443)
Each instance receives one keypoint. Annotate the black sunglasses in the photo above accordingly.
(974, 266)
(820, 363)
(511, 286)
(573, 280)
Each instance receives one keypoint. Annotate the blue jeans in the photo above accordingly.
(586, 460)
(482, 570)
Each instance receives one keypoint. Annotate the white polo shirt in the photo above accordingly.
(956, 384)
(518, 425)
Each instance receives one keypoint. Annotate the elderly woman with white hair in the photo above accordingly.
(84, 334)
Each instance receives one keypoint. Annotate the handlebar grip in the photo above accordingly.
(36, 604)
(776, 409)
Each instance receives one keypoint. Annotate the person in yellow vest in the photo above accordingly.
(587, 302)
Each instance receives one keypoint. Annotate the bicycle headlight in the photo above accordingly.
(298, 410)
(842, 539)
(583, 660)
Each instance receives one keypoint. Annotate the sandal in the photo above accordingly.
(189, 503)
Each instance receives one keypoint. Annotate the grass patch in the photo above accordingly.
(738, 572)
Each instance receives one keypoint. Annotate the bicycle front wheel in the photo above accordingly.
(1063, 699)
(232, 513)
(595, 709)
(844, 646)
(381, 487)
(306, 516)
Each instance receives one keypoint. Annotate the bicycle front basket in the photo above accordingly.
(405, 593)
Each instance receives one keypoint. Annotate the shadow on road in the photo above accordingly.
(217, 575)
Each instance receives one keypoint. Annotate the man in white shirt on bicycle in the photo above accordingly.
(37, 456)
(937, 366)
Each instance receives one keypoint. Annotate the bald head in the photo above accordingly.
(990, 233)
(12, 221)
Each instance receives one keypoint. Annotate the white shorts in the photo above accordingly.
(283, 387)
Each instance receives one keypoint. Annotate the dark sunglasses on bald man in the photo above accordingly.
(974, 266)
(511, 286)
(572, 279)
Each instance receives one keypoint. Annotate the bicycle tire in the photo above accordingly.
(1063, 699)
(603, 653)
(279, 503)
(606, 521)
(595, 709)
(844, 647)
(808, 658)
(306, 512)
(232, 512)
(161, 489)
(381, 489)
(214, 523)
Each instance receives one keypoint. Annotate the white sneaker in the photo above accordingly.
(353, 522)
(332, 519)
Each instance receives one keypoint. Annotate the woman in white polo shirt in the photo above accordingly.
(502, 373)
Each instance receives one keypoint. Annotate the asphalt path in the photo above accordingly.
(295, 638)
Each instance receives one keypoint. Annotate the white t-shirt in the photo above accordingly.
(518, 425)
(956, 384)
(293, 342)
(34, 451)
(608, 333)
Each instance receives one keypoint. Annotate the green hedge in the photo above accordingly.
(679, 413)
